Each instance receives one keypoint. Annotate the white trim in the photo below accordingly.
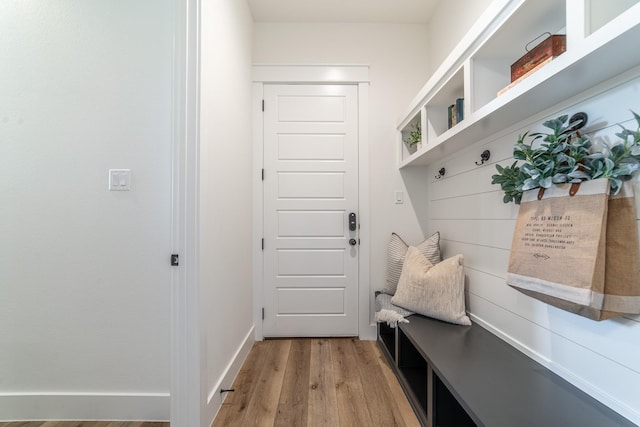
(84, 406)
(577, 12)
(215, 398)
(232, 369)
(595, 392)
(315, 74)
(366, 327)
(185, 395)
(258, 197)
(311, 73)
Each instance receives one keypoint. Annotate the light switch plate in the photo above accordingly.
(399, 197)
(119, 179)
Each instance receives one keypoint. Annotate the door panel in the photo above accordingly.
(320, 301)
(311, 262)
(310, 187)
(311, 147)
(319, 108)
(310, 224)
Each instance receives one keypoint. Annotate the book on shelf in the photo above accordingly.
(455, 113)
(459, 110)
(451, 116)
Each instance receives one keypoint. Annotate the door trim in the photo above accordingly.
(314, 74)
(185, 408)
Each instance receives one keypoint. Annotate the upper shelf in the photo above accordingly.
(591, 58)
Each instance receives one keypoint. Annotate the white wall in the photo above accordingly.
(225, 196)
(398, 61)
(84, 274)
(451, 20)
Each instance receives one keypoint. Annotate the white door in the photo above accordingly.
(310, 188)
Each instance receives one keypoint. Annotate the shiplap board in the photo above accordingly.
(500, 152)
(601, 357)
(483, 258)
(463, 184)
(475, 206)
(617, 340)
(495, 289)
(496, 233)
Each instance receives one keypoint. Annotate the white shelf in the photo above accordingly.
(589, 60)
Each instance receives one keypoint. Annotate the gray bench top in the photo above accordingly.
(498, 385)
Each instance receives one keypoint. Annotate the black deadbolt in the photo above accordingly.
(352, 221)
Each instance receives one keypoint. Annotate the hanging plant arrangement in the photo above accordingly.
(564, 156)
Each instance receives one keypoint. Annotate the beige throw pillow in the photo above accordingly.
(434, 291)
(396, 251)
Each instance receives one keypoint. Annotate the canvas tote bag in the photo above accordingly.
(622, 271)
(558, 253)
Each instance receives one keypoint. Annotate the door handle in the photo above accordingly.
(352, 242)
(352, 222)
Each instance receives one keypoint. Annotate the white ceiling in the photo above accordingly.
(379, 11)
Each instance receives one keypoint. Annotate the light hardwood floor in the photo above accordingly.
(83, 424)
(337, 382)
(316, 383)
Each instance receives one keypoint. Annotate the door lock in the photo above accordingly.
(353, 242)
(352, 222)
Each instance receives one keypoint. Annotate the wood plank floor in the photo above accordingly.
(316, 382)
(83, 424)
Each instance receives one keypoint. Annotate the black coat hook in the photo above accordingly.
(440, 173)
(578, 121)
(484, 157)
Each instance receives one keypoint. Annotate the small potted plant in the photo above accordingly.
(414, 139)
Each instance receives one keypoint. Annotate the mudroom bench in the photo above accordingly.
(462, 376)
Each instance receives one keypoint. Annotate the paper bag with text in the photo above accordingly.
(622, 271)
(558, 253)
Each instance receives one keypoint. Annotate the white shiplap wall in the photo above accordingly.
(602, 358)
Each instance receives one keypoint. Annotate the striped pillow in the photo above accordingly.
(396, 252)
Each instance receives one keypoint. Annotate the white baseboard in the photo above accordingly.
(583, 385)
(214, 397)
(84, 406)
(370, 333)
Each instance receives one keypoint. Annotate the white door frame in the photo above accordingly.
(314, 74)
(185, 384)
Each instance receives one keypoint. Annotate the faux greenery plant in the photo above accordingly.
(415, 136)
(563, 156)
